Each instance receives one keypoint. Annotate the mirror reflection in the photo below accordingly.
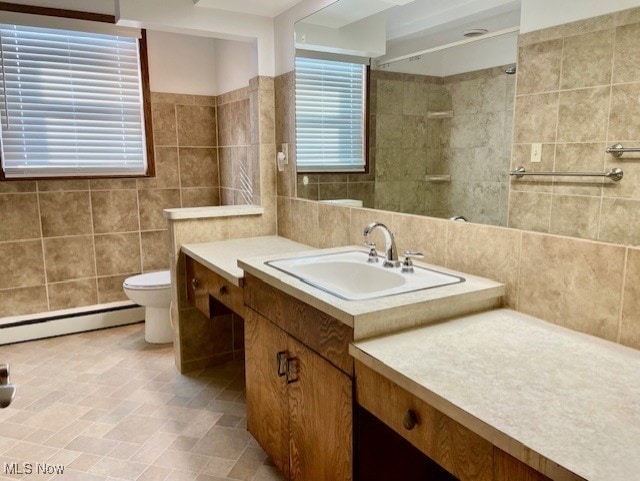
(440, 104)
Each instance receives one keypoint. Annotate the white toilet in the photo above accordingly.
(153, 292)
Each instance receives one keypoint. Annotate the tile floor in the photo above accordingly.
(108, 406)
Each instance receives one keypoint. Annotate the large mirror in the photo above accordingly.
(440, 104)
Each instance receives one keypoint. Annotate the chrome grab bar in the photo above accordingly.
(614, 174)
(617, 150)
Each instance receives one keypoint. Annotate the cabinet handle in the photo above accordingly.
(195, 282)
(281, 363)
(292, 374)
(410, 420)
(223, 290)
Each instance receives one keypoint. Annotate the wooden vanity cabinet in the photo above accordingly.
(466, 455)
(203, 285)
(299, 385)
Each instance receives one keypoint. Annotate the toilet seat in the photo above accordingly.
(150, 280)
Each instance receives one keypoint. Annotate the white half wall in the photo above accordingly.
(181, 16)
(183, 64)
(539, 14)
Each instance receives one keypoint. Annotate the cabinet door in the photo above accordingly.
(267, 407)
(320, 410)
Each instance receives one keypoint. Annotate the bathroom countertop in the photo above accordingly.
(212, 211)
(561, 401)
(382, 315)
(222, 257)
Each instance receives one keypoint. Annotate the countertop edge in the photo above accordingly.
(493, 435)
(186, 213)
(214, 267)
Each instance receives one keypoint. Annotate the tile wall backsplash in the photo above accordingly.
(71, 243)
(578, 91)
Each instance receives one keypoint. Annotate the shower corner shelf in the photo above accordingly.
(439, 114)
(437, 179)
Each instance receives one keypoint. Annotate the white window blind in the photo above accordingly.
(71, 103)
(330, 115)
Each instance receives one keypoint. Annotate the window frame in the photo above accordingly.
(144, 79)
(366, 135)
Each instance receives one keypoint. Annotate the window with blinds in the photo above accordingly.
(71, 104)
(330, 115)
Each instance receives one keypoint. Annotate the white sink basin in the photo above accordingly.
(349, 276)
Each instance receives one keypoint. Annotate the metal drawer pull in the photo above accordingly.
(410, 420)
(195, 282)
(281, 363)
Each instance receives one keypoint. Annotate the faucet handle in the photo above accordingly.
(373, 253)
(407, 264)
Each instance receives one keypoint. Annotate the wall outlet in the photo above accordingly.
(536, 153)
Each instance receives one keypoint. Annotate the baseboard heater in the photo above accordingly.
(60, 323)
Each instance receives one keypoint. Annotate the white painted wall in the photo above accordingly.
(181, 16)
(183, 64)
(539, 14)
(284, 38)
(235, 65)
(365, 38)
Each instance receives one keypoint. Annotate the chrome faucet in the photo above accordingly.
(391, 253)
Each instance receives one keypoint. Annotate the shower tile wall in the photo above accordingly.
(579, 92)
(408, 145)
(71, 243)
(478, 145)
(473, 145)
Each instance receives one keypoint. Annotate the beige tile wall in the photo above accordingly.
(585, 285)
(578, 91)
(201, 341)
(71, 243)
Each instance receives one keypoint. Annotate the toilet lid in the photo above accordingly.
(150, 280)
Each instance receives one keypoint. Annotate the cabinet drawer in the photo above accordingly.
(203, 282)
(460, 451)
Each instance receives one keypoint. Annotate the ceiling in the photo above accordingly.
(442, 20)
(264, 8)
